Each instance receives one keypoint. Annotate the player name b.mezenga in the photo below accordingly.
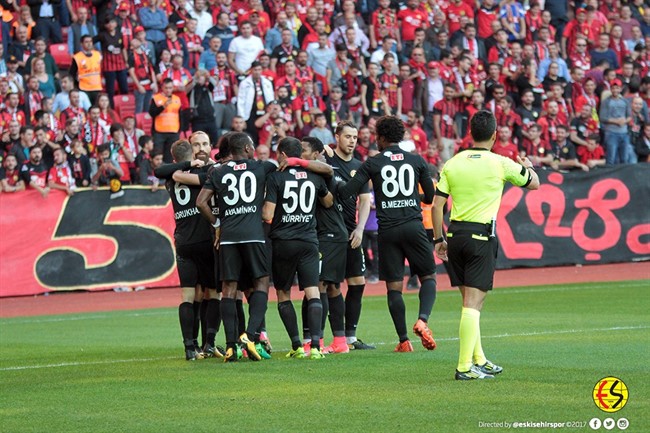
(393, 204)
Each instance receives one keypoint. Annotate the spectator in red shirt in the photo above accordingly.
(576, 28)
(410, 19)
(454, 11)
(592, 155)
(418, 135)
(504, 146)
(10, 178)
(537, 149)
(485, 16)
(60, 176)
(444, 112)
(305, 106)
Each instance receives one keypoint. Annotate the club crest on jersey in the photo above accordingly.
(301, 175)
(240, 167)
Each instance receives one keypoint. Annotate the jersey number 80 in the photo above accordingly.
(396, 181)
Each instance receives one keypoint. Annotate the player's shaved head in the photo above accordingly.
(239, 142)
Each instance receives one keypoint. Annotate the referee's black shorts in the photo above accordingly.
(472, 255)
(333, 258)
(195, 264)
(250, 258)
(291, 256)
(408, 240)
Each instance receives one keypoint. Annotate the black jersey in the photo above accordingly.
(343, 172)
(239, 187)
(329, 221)
(294, 192)
(191, 227)
(395, 175)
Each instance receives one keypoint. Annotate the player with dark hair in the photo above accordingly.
(194, 252)
(395, 175)
(290, 205)
(333, 246)
(345, 165)
(239, 187)
(475, 179)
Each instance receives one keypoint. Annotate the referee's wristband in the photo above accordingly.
(441, 239)
(217, 224)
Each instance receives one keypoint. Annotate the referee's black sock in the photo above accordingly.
(353, 308)
(337, 313)
(314, 314)
(305, 322)
(398, 313)
(326, 308)
(427, 298)
(257, 310)
(203, 311)
(197, 321)
(229, 317)
(186, 319)
(241, 317)
(213, 319)
(290, 321)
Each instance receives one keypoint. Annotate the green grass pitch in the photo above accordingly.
(124, 371)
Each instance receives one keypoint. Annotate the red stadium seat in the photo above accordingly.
(62, 57)
(144, 122)
(124, 105)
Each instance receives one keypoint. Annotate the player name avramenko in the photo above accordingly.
(240, 210)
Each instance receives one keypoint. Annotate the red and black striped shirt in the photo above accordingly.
(112, 45)
(447, 110)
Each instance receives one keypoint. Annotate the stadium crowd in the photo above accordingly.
(569, 82)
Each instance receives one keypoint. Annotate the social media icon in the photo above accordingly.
(609, 423)
(595, 423)
(623, 423)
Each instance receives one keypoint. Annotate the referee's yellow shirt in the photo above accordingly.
(474, 179)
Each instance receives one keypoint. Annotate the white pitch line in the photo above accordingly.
(523, 334)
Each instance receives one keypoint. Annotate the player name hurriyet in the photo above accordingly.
(185, 213)
(240, 210)
(297, 218)
(393, 204)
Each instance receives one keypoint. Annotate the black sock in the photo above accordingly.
(326, 308)
(305, 320)
(290, 321)
(203, 311)
(257, 310)
(262, 327)
(314, 315)
(186, 318)
(398, 313)
(197, 321)
(229, 318)
(241, 317)
(337, 313)
(427, 298)
(212, 319)
(353, 308)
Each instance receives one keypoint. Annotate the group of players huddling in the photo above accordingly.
(311, 208)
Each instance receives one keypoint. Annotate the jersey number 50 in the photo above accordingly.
(395, 180)
(304, 197)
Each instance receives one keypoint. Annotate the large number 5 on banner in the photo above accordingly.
(139, 252)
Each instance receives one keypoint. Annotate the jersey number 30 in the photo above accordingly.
(303, 195)
(237, 188)
(395, 180)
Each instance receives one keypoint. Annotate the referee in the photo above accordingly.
(475, 179)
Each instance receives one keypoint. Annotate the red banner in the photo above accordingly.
(89, 242)
(85, 242)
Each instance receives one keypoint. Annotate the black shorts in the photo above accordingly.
(249, 258)
(333, 260)
(293, 256)
(195, 264)
(408, 240)
(472, 256)
(355, 262)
